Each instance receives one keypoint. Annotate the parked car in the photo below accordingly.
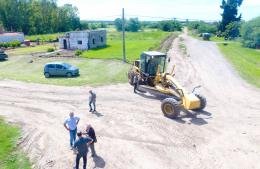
(3, 56)
(206, 36)
(60, 69)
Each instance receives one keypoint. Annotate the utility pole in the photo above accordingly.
(123, 33)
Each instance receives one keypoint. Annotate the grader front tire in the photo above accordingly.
(170, 108)
(203, 102)
(131, 77)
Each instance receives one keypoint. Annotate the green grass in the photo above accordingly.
(45, 37)
(10, 157)
(92, 71)
(212, 38)
(136, 43)
(218, 39)
(30, 50)
(245, 60)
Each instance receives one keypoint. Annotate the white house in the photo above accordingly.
(11, 37)
(83, 40)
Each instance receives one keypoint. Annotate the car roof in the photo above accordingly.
(56, 63)
(154, 53)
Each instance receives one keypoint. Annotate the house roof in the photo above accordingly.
(87, 31)
(10, 34)
(154, 53)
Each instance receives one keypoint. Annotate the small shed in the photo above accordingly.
(11, 37)
(83, 40)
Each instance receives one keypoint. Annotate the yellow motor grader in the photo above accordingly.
(152, 78)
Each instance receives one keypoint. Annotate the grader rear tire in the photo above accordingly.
(170, 108)
(131, 77)
(203, 102)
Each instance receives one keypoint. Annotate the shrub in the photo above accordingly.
(203, 27)
(170, 26)
(232, 30)
(131, 25)
(251, 33)
(78, 52)
(10, 44)
(50, 50)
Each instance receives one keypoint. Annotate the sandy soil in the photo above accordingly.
(132, 132)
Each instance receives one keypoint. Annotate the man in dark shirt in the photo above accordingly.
(81, 146)
(91, 133)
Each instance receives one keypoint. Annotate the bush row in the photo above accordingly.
(10, 44)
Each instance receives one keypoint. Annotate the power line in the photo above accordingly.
(173, 18)
(147, 16)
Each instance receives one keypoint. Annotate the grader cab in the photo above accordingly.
(152, 78)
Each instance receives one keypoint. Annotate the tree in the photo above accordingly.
(38, 16)
(133, 25)
(251, 33)
(232, 30)
(118, 24)
(170, 26)
(103, 25)
(93, 26)
(203, 27)
(84, 25)
(230, 13)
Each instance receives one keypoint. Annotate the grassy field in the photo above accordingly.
(10, 157)
(45, 37)
(30, 50)
(135, 44)
(97, 67)
(92, 71)
(212, 38)
(245, 60)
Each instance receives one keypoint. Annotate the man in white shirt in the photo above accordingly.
(71, 125)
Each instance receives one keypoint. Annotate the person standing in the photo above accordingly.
(71, 125)
(92, 101)
(81, 146)
(91, 133)
(135, 81)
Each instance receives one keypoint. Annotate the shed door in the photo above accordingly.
(65, 44)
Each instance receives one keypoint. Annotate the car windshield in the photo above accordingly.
(66, 65)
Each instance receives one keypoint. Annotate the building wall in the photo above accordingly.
(83, 40)
(11, 38)
(75, 40)
(97, 39)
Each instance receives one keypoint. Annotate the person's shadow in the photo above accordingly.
(97, 114)
(99, 162)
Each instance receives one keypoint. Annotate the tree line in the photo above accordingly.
(38, 16)
(134, 25)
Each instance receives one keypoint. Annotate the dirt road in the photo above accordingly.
(132, 132)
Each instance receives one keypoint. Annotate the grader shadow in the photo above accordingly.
(185, 114)
(192, 118)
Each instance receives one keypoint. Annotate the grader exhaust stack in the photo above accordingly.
(151, 69)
